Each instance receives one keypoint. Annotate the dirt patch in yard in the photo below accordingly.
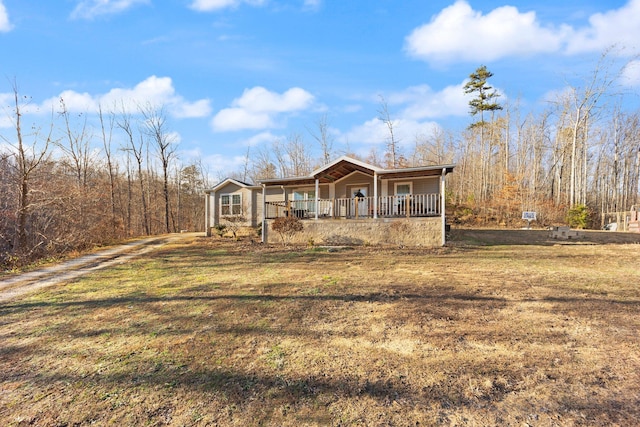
(475, 236)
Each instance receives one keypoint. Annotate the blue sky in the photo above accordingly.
(239, 73)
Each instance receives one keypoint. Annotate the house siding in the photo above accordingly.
(426, 186)
(256, 212)
(420, 185)
(354, 179)
(274, 194)
(251, 204)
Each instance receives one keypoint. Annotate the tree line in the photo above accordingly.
(69, 186)
(581, 152)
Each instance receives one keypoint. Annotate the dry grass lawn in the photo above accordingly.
(210, 332)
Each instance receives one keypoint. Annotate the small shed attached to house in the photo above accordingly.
(233, 200)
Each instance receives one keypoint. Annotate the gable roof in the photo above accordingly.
(342, 167)
(227, 181)
(345, 165)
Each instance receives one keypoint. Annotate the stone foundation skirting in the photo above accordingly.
(383, 231)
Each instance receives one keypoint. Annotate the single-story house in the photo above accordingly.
(347, 201)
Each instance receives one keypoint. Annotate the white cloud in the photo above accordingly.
(423, 103)
(155, 91)
(631, 74)
(261, 138)
(213, 5)
(312, 4)
(411, 111)
(615, 27)
(556, 95)
(6, 122)
(5, 25)
(375, 131)
(223, 165)
(73, 101)
(258, 108)
(175, 137)
(460, 33)
(262, 100)
(183, 109)
(89, 9)
(231, 119)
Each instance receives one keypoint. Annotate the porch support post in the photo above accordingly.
(332, 197)
(317, 196)
(442, 206)
(287, 207)
(264, 213)
(375, 195)
(207, 224)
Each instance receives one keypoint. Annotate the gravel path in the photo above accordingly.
(24, 283)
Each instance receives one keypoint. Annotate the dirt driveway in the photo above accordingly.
(14, 286)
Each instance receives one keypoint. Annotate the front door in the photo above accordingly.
(361, 193)
(403, 189)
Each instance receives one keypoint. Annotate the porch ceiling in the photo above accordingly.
(328, 175)
(339, 171)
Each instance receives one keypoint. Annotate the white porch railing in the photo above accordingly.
(410, 205)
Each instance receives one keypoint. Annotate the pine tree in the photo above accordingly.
(486, 98)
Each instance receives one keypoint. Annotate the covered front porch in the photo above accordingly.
(365, 197)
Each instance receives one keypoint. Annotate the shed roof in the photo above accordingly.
(227, 181)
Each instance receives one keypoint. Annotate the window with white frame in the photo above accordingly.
(230, 204)
(304, 199)
(403, 188)
(304, 194)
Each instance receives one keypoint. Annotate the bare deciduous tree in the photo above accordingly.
(261, 166)
(583, 105)
(76, 145)
(156, 127)
(28, 158)
(136, 146)
(106, 132)
(393, 148)
(324, 138)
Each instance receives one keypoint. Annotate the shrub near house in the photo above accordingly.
(287, 227)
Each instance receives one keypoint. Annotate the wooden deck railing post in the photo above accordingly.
(407, 205)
